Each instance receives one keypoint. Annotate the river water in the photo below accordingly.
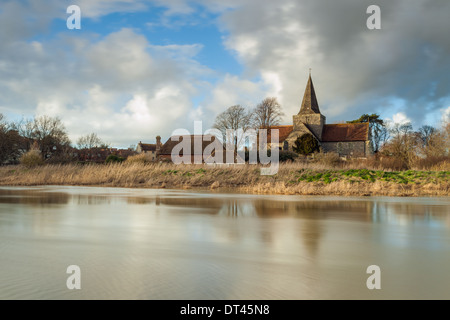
(172, 244)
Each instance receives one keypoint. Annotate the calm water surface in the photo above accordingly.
(166, 244)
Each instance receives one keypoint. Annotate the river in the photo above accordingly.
(183, 244)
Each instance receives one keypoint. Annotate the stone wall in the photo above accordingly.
(350, 149)
(301, 130)
(314, 121)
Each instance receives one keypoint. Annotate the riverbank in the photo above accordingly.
(291, 179)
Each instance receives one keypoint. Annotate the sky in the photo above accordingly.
(141, 68)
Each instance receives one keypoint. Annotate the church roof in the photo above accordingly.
(309, 103)
(283, 132)
(345, 132)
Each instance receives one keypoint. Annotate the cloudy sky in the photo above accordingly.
(141, 68)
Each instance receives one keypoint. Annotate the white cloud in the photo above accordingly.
(98, 8)
(352, 67)
(445, 115)
(232, 91)
(400, 118)
(127, 88)
(117, 86)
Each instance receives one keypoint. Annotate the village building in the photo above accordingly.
(205, 154)
(347, 140)
(123, 153)
(150, 150)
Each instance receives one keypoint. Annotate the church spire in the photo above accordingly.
(309, 103)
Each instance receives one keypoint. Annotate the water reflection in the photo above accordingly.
(33, 197)
(377, 210)
(311, 235)
(404, 213)
(167, 244)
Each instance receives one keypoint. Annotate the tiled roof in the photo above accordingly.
(148, 147)
(167, 147)
(345, 132)
(283, 132)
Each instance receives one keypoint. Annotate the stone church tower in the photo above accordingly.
(347, 140)
(309, 119)
(310, 113)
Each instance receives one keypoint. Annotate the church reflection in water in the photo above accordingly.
(311, 210)
(360, 209)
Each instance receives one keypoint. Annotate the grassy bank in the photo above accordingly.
(291, 179)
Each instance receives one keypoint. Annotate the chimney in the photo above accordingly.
(158, 143)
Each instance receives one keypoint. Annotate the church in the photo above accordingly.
(347, 140)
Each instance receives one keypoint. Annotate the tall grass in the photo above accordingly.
(292, 178)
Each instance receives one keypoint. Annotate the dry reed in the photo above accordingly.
(292, 178)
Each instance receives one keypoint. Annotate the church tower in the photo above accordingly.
(309, 114)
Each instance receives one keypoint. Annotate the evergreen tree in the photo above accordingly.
(306, 144)
(378, 131)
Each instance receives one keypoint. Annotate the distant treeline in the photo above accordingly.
(47, 137)
(396, 146)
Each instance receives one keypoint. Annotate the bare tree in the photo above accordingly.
(50, 134)
(89, 141)
(403, 144)
(434, 142)
(4, 143)
(382, 137)
(267, 113)
(4, 125)
(426, 132)
(9, 142)
(236, 118)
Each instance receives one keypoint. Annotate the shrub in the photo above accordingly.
(433, 163)
(330, 159)
(284, 156)
(287, 156)
(31, 159)
(113, 159)
(306, 144)
(381, 163)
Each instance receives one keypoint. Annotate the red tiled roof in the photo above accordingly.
(345, 132)
(283, 132)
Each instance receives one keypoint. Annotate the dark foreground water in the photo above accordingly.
(165, 244)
